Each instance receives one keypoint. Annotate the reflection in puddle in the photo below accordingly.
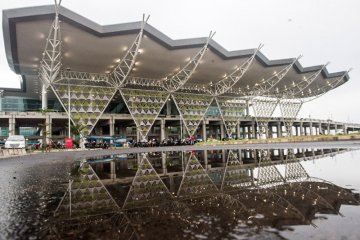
(214, 194)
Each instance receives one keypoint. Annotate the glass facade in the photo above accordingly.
(18, 104)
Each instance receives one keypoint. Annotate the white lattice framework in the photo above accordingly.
(228, 81)
(176, 81)
(124, 67)
(192, 109)
(231, 110)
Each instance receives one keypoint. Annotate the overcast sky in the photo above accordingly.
(321, 30)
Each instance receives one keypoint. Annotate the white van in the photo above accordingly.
(15, 141)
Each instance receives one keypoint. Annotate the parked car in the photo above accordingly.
(15, 141)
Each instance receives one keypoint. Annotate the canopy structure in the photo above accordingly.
(85, 65)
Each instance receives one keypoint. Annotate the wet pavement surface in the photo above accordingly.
(237, 194)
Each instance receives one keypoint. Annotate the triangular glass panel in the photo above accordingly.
(83, 98)
(147, 188)
(144, 111)
(195, 182)
(86, 196)
(192, 108)
(268, 174)
(235, 175)
(231, 110)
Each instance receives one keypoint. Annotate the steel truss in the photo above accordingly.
(266, 85)
(175, 82)
(192, 109)
(227, 82)
(265, 106)
(50, 64)
(322, 90)
(235, 176)
(132, 82)
(290, 105)
(144, 107)
(195, 182)
(263, 110)
(147, 188)
(74, 75)
(122, 70)
(231, 109)
(298, 88)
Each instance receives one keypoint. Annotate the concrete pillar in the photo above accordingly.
(172, 184)
(206, 162)
(296, 130)
(311, 129)
(281, 154)
(11, 125)
(168, 107)
(253, 130)
(247, 110)
(222, 132)
(112, 170)
(243, 132)
(249, 131)
(162, 129)
(344, 129)
(203, 135)
(163, 163)
(278, 128)
(138, 135)
(112, 126)
(48, 128)
(238, 133)
(328, 129)
(335, 128)
(223, 156)
(301, 129)
(44, 98)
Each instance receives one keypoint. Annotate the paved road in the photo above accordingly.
(98, 152)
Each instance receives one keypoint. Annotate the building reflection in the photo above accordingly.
(189, 194)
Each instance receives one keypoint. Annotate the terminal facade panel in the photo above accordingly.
(132, 80)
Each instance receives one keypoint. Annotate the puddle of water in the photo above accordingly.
(235, 194)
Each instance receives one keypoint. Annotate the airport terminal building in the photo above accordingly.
(132, 80)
